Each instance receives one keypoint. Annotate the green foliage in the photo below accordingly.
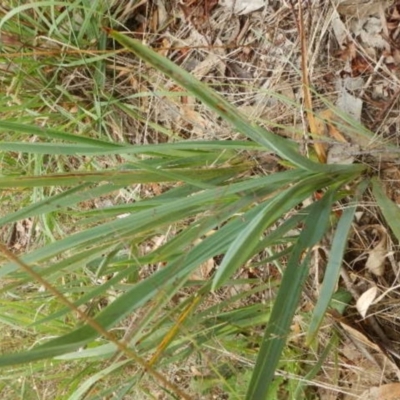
(213, 209)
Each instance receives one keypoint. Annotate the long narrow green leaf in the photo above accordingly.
(145, 290)
(390, 210)
(146, 219)
(67, 198)
(216, 102)
(122, 306)
(143, 220)
(80, 393)
(56, 148)
(175, 247)
(333, 343)
(100, 149)
(82, 193)
(58, 269)
(287, 298)
(120, 177)
(244, 245)
(47, 133)
(332, 272)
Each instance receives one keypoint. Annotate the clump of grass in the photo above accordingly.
(118, 287)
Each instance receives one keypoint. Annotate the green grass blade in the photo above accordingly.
(332, 272)
(68, 198)
(136, 223)
(390, 210)
(139, 294)
(288, 297)
(111, 315)
(48, 133)
(244, 245)
(96, 291)
(85, 386)
(216, 102)
(167, 149)
(150, 175)
(145, 219)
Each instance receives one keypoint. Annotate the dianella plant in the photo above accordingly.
(123, 287)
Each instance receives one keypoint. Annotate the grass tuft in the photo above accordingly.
(169, 228)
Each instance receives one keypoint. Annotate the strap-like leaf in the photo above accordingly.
(288, 297)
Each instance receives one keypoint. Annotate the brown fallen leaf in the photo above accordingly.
(362, 8)
(325, 122)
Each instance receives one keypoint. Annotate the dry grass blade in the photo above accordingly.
(314, 127)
